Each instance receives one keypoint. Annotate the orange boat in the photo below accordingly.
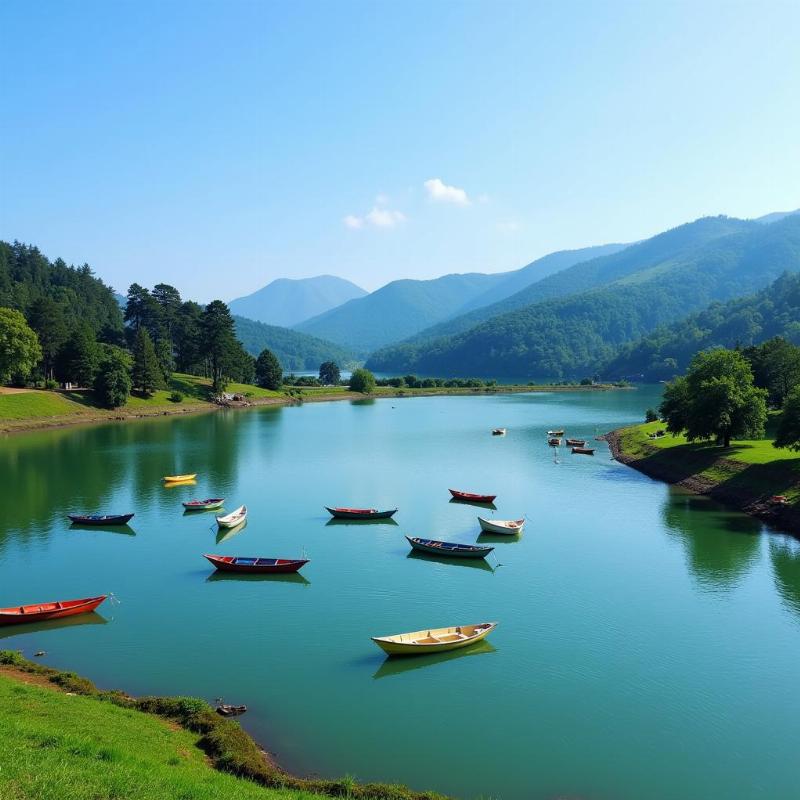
(39, 612)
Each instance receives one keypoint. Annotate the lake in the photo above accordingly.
(648, 645)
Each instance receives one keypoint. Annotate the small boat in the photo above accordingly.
(39, 612)
(360, 513)
(230, 711)
(499, 431)
(576, 442)
(256, 565)
(208, 504)
(555, 433)
(179, 478)
(472, 498)
(434, 640)
(584, 451)
(100, 519)
(233, 519)
(507, 526)
(554, 442)
(449, 548)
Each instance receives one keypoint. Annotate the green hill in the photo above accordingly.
(295, 350)
(667, 351)
(676, 272)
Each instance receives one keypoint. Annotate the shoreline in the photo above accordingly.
(9, 427)
(659, 465)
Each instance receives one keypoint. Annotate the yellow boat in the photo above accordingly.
(179, 478)
(433, 640)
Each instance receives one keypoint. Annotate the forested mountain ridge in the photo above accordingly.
(286, 301)
(573, 335)
(745, 321)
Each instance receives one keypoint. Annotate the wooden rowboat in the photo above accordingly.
(509, 527)
(433, 640)
(499, 431)
(555, 433)
(179, 478)
(39, 612)
(472, 498)
(449, 548)
(208, 504)
(360, 513)
(576, 442)
(100, 519)
(554, 442)
(585, 451)
(233, 519)
(256, 565)
(226, 710)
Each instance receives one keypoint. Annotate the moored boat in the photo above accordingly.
(576, 442)
(100, 519)
(256, 565)
(179, 478)
(38, 612)
(555, 433)
(359, 513)
(470, 497)
(584, 451)
(226, 710)
(449, 548)
(505, 526)
(499, 431)
(233, 519)
(554, 441)
(209, 504)
(433, 640)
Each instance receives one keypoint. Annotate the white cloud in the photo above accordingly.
(378, 218)
(441, 192)
(352, 221)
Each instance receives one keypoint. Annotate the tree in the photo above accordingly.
(20, 351)
(112, 384)
(186, 337)
(651, 415)
(141, 310)
(788, 433)
(329, 374)
(78, 358)
(362, 380)
(776, 367)
(716, 399)
(49, 321)
(218, 344)
(166, 363)
(146, 374)
(268, 370)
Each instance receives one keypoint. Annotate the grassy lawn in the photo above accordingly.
(71, 747)
(36, 404)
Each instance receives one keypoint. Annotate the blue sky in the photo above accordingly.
(219, 145)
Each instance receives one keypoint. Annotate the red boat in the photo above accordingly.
(39, 612)
(473, 498)
(256, 565)
(360, 513)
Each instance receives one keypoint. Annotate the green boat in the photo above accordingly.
(208, 504)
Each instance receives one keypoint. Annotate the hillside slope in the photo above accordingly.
(287, 302)
(573, 335)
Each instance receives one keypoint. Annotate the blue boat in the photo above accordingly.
(453, 549)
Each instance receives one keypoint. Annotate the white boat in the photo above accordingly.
(434, 640)
(509, 527)
(233, 519)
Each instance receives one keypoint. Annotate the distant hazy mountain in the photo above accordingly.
(287, 302)
(776, 216)
(402, 308)
(617, 299)
(295, 350)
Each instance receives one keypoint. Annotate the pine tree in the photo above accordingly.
(146, 374)
(268, 370)
(219, 344)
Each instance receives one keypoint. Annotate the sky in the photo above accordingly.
(217, 146)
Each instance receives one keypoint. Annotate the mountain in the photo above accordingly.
(295, 350)
(287, 302)
(404, 307)
(648, 284)
(776, 216)
(667, 351)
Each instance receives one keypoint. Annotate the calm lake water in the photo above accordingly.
(649, 641)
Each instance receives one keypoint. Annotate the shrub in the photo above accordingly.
(176, 397)
(650, 415)
(362, 380)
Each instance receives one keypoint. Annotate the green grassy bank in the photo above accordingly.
(745, 475)
(63, 739)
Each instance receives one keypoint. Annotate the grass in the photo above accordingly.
(84, 744)
(27, 405)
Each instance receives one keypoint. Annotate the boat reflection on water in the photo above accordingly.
(93, 618)
(126, 530)
(460, 502)
(223, 534)
(360, 522)
(278, 577)
(475, 563)
(498, 538)
(179, 484)
(394, 665)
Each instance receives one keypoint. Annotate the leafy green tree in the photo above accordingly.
(268, 370)
(219, 345)
(146, 373)
(716, 399)
(776, 367)
(362, 380)
(112, 384)
(329, 373)
(48, 319)
(788, 433)
(19, 346)
(651, 415)
(78, 358)
(166, 363)
(141, 310)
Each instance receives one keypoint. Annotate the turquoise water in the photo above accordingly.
(648, 644)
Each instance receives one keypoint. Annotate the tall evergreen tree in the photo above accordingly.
(48, 319)
(79, 357)
(219, 344)
(112, 384)
(329, 373)
(268, 370)
(146, 374)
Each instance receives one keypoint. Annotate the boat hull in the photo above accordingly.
(179, 478)
(469, 497)
(423, 642)
(100, 520)
(583, 451)
(205, 505)
(45, 611)
(354, 513)
(449, 549)
(281, 565)
(491, 527)
(234, 519)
